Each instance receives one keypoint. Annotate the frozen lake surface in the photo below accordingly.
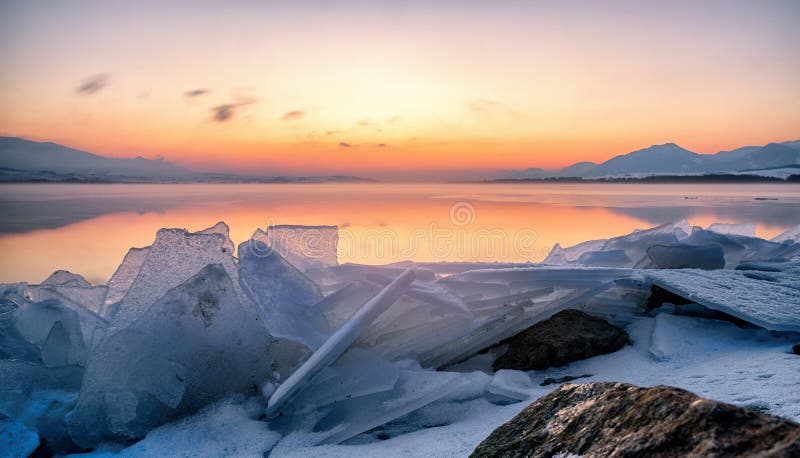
(88, 228)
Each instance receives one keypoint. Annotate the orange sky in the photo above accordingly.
(453, 89)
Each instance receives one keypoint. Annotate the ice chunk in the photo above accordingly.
(124, 276)
(21, 378)
(738, 248)
(16, 440)
(574, 252)
(606, 258)
(306, 247)
(227, 428)
(65, 278)
(284, 296)
(345, 336)
(175, 256)
(680, 256)
(190, 348)
(414, 389)
(556, 257)
(512, 384)
(35, 322)
(43, 411)
(635, 245)
(769, 301)
(746, 229)
(12, 344)
(222, 229)
(789, 235)
(356, 373)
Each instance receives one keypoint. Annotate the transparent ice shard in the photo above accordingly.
(175, 256)
(306, 247)
(124, 276)
(746, 229)
(66, 278)
(338, 343)
(415, 389)
(284, 297)
(188, 349)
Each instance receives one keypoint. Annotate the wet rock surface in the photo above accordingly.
(570, 335)
(619, 419)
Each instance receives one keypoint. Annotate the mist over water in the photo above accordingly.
(87, 229)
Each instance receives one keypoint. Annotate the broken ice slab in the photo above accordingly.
(605, 258)
(683, 255)
(283, 296)
(222, 229)
(635, 244)
(124, 276)
(356, 373)
(512, 384)
(305, 247)
(188, 349)
(415, 389)
(66, 278)
(35, 322)
(531, 278)
(175, 256)
(335, 277)
(791, 235)
(340, 341)
(83, 301)
(746, 229)
(740, 248)
(769, 301)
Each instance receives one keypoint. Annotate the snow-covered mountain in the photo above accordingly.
(29, 156)
(671, 159)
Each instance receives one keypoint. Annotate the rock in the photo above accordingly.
(796, 349)
(564, 379)
(618, 419)
(567, 336)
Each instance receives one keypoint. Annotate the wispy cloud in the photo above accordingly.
(196, 93)
(328, 133)
(292, 115)
(93, 84)
(226, 111)
(382, 145)
(344, 144)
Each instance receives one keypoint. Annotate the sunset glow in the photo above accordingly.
(389, 91)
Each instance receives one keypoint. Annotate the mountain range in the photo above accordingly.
(671, 159)
(24, 160)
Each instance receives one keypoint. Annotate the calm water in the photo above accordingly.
(87, 229)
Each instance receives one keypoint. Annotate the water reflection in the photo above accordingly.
(88, 228)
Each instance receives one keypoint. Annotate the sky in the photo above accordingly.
(404, 89)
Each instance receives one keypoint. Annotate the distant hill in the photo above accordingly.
(45, 157)
(23, 160)
(671, 159)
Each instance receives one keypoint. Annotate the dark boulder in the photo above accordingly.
(796, 349)
(618, 419)
(567, 336)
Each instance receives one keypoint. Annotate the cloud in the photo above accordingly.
(365, 122)
(382, 145)
(93, 84)
(294, 114)
(344, 144)
(223, 113)
(226, 111)
(328, 133)
(196, 93)
(479, 105)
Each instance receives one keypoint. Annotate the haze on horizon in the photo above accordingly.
(398, 89)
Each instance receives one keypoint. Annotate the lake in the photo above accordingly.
(88, 228)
